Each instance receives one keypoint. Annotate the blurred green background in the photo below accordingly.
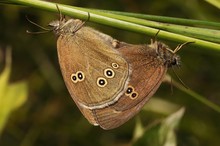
(50, 117)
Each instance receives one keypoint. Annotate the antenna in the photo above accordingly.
(174, 51)
(39, 32)
(80, 26)
(179, 79)
(155, 37)
(180, 46)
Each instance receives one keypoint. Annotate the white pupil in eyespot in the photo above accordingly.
(80, 76)
(129, 90)
(109, 73)
(101, 82)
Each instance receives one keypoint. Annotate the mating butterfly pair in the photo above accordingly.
(110, 81)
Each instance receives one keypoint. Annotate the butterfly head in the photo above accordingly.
(174, 60)
(65, 26)
(164, 53)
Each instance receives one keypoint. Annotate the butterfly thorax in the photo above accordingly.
(64, 26)
(165, 54)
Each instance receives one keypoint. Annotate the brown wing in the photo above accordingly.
(147, 74)
(90, 54)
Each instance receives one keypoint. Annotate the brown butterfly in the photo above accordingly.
(110, 81)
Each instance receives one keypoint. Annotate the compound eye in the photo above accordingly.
(174, 61)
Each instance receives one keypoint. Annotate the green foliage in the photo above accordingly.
(215, 3)
(160, 134)
(202, 37)
(12, 96)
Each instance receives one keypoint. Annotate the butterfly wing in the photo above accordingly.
(147, 74)
(94, 72)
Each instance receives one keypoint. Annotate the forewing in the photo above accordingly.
(87, 52)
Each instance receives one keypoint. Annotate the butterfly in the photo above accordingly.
(110, 81)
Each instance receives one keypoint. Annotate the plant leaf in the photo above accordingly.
(167, 135)
(162, 134)
(12, 96)
(215, 3)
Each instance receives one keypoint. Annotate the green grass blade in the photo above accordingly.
(113, 20)
(180, 21)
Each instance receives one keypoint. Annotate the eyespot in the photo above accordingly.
(109, 73)
(101, 82)
(80, 75)
(74, 78)
(115, 65)
(134, 95)
(129, 90)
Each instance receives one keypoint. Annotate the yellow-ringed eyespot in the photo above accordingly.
(133, 95)
(115, 65)
(74, 78)
(129, 90)
(109, 73)
(80, 75)
(101, 82)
